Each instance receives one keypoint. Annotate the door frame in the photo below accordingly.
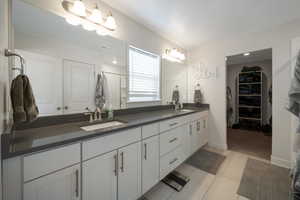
(272, 106)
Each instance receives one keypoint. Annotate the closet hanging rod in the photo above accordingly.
(9, 53)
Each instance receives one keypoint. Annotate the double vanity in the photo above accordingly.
(124, 161)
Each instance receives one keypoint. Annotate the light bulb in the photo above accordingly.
(88, 26)
(101, 31)
(115, 62)
(73, 20)
(110, 22)
(182, 56)
(96, 16)
(78, 8)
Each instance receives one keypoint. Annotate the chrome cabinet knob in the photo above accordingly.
(66, 107)
(58, 108)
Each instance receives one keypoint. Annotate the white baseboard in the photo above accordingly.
(218, 146)
(281, 162)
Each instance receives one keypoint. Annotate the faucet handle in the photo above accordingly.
(90, 114)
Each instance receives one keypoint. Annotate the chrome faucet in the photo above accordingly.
(94, 116)
(97, 114)
(90, 113)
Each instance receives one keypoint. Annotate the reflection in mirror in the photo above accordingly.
(62, 62)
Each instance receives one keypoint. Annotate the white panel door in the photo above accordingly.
(62, 185)
(45, 75)
(79, 86)
(113, 90)
(150, 163)
(129, 179)
(99, 177)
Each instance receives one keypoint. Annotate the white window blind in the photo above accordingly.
(144, 76)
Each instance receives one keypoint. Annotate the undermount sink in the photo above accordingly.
(101, 126)
(186, 110)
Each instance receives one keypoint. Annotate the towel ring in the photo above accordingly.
(9, 53)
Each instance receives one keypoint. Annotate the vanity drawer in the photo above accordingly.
(170, 161)
(170, 140)
(101, 145)
(198, 115)
(43, 163)
(171, 123)
(150, 130)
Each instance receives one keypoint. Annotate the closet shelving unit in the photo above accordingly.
(249, 88)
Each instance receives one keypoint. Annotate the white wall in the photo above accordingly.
(4, 77)
(232, 75)
(213, 53)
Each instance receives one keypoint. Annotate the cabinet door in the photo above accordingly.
(79, 86)
(129, 180)
(186, 140)
(62, 185)
(150, 163)
(45, 75)
(204, 131)
(99, 177)
(195, 137)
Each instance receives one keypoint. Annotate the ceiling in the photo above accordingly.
(255, 56)
(192, 22)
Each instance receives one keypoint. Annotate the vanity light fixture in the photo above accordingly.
(110, 22)
(89, 19)
(73, 20)
(102, 31)
(78, 8)
(174, 55)
(96, 16)
(88, 26)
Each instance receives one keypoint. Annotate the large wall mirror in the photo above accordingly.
(63, 62)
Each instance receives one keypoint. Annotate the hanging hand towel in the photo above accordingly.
(99, 93)
(198, 96)
(175, 96)
(294, 92)
(23, 101)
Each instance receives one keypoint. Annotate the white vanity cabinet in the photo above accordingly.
(122, 165)
(204, 130)
(53, 174)
(195, 135)
(63, 185)
(99, 177)
(114, 174)
(129, 175)
(150, 163)
(112, 166)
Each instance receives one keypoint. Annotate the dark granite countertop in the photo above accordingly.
(29, 140)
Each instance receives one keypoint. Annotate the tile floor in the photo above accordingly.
(205, 186)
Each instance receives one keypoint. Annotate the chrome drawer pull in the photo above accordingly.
(173, 161)
(173, 140)
(77, 183)
(174, 124)
(116, 165)
(145, 156)
(122, 162)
